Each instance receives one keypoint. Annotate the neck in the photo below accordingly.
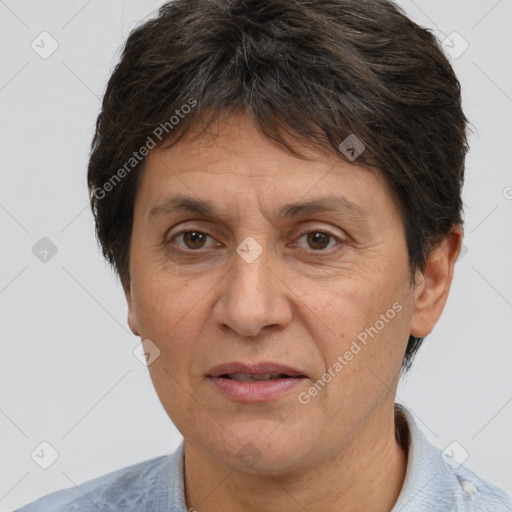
(367, 474)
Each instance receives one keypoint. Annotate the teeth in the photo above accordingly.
(244, 377)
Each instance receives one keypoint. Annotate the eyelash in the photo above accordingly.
(310, 251)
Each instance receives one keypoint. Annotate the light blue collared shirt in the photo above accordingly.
(432, 484)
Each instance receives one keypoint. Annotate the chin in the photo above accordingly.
(262, 452)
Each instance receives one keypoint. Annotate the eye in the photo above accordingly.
(319, 240)
(191, 239)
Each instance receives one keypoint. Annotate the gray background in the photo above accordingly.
(68, 373)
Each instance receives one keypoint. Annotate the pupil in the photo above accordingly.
(318, 240)
(194, 239)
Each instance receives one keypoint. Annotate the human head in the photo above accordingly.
(316, 72)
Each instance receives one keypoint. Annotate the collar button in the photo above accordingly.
(468, 487)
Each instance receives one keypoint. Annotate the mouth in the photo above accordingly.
(255, 383)
(260, 371)
(248, 377)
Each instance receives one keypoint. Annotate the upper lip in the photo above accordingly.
(261, 368)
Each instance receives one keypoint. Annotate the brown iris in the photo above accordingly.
(318, 240)
(194, 239)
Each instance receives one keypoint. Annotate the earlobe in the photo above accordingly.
(132, 322)
(432, 290)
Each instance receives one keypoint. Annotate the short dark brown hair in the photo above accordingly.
(317, 71)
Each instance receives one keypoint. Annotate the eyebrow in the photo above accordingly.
(332, 203)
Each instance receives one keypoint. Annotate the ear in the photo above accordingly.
(132, 321)
(434, 283)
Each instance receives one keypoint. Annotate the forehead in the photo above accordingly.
(234, 162)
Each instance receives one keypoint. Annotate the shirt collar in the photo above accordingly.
(428, 484)
(177, 481)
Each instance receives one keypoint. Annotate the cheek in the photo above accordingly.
(168, 312)
(365, 323)
(344, 308)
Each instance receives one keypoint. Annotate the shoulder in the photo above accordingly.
(113, 491)
(436, 481)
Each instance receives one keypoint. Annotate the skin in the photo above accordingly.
(300, 303)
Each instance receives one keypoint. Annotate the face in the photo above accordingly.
(242, 253)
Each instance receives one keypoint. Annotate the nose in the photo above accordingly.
(253, 298)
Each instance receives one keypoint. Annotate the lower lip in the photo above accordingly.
(258, 391)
